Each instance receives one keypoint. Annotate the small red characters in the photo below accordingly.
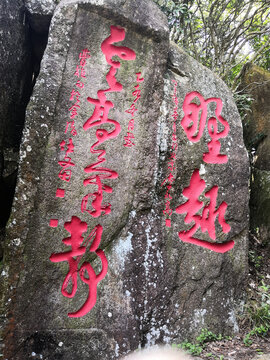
(128, 139)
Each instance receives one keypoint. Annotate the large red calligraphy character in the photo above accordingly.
(209, 213)
(194, 121)
(76, 228)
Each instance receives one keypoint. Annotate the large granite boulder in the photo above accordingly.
(256, 83)
(129, 225)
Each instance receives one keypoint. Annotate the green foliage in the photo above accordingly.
(256, 260)
(193, 349)
(176, 12)
(259, 314)
(222, 35)
(208, 336)
(261, 331)
(197, 347)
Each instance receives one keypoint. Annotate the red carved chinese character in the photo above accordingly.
(85, 54)
(73, 109)
(80, 84)
(131, 110)
(168, 195)
(65, 174)
(137, 94)
(76, 228)
(169, 179)
(73, 130)
(66, 162)
(74, 93)
(131, 125)
(194, 122)
(128, 142)
(70, 146)
(175, 114)
(79, 72)
(171, 166)
(110, 50)
(209, 213)
(97, 198)
(138, 77)
(168, 210)
(101, 111)
(174, 146)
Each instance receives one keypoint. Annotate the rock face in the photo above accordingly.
(22, 48)
(40, 13)
(101, 258)
(15, 73)
(256, 82)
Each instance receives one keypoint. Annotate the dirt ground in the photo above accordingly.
(235, 349)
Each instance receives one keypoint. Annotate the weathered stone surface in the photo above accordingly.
(21, 50)
(40, 13)
(256, 83)
(41, 7)
(74, 28)
(200, 280)
(14, 68)
(16, 80)
(157, 288)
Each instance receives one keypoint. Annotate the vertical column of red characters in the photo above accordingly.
(171, 164)
(195, 109)
(66, 145)
(97, 173)
(129, 138)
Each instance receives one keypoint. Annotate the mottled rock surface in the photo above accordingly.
(40, 13)
(16, 79)
(256, 83)
(157, 289)
(21, 50)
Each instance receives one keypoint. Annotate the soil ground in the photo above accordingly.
(235, 349)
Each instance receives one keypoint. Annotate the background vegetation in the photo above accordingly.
(222, 35)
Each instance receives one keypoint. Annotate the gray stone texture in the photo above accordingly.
(40, 13)
(256, 83)
(14, 68)
(16, 79)
(21, 49)
(157, 289)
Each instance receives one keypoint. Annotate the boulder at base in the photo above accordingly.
(124, 232)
